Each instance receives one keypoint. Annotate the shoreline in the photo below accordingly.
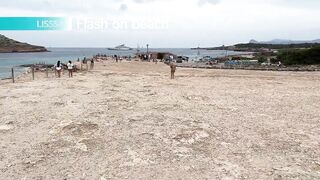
(27, 70)
(17, 75)
(21, 52)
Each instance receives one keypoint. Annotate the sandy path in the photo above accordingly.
(130, 121)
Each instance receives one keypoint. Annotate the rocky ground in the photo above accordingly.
(130, 121)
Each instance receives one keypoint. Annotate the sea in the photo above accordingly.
(15, 60)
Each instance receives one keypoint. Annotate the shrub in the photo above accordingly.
(300, 56)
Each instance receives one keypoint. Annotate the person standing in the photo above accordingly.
(173, 68)
(116, 57)
(171, 58)
(58, 68)
(70, 69)
(92, 64)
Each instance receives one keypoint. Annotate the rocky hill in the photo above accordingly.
(8, 45)
(285, 41)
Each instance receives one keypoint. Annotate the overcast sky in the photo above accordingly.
(184, 23)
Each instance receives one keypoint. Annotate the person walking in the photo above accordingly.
(173, 68)
(92, 64)
(70, 69)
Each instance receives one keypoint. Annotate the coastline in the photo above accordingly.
(18, 76)
(26, 70)
(27, 51)
(314, 68)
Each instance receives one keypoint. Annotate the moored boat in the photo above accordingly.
(121, 47)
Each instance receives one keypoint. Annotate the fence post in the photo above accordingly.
(47, 73)
(81, 66)
(87, 66)
(32, 69)
(12, 75)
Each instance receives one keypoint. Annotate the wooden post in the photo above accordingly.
(87, 66)
(12, 75)
(81, 66)
(32, 69)
(47, 73)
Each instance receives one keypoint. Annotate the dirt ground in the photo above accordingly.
(130, 121)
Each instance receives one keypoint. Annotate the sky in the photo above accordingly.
(168, 23)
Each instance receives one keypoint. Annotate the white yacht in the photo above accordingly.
(121, 47)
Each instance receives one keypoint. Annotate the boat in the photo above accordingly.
(121, 47)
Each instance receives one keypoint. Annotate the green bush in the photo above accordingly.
(300, 57)
(262, 59)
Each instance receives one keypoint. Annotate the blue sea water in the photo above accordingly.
(9, 60)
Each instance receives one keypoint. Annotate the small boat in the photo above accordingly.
(121, 47)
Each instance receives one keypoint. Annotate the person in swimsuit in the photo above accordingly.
(70, 69)
(58, 68)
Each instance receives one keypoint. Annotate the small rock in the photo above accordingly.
(102, 178)
(5, 127)
(9, 122)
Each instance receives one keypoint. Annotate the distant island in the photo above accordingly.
(8, 45)
(285, 41)
(276, 44)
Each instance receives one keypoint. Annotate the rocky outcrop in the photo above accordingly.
(8, 45)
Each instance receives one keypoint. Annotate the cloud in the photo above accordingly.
(123, 7)
(310, 4)
(143, 1)
(64, 7)
(203, 2)
(190, 22)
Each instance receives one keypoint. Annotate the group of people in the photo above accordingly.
(59, 67)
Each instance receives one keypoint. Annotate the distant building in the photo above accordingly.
(248, 56)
